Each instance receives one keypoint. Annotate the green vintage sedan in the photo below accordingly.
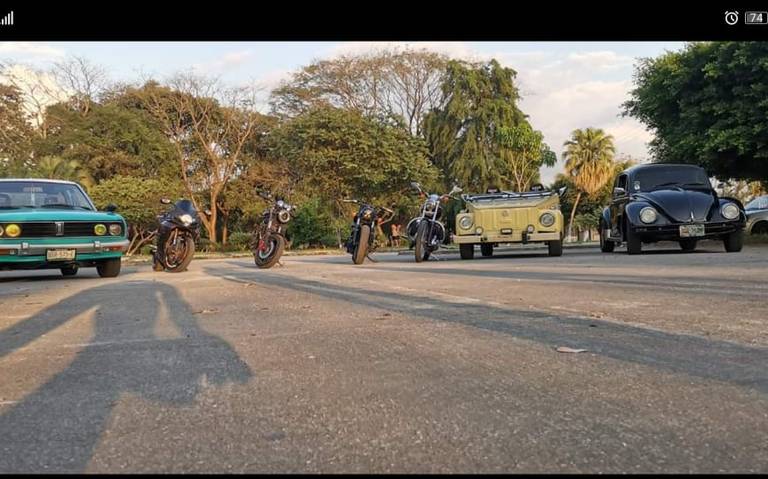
(52, 224)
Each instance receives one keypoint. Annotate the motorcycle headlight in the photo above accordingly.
(367, 214)
(465, 222)
(547, 219)
(115, 230)
(431, 205)
(100, 230)
(283, 216)
(648, 215)
(730, 211)
(13, 231)
(186, 219)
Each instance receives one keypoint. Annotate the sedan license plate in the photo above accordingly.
(687, 231)
(60, 254)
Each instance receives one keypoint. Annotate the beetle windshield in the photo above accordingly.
(759, 203)
(657, 177)
(42, 194)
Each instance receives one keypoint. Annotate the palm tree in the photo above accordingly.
(57, 168)
(588, 162)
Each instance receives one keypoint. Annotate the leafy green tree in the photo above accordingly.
(523, 153)
(313, 225)
(16, 133)
(589, 163)
(707, 105)
(478, 101)
(138, 200)
(57, 168)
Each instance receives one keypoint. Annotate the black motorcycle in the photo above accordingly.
(362, 238)
(425, 231)
(178, 231)
(268, 240)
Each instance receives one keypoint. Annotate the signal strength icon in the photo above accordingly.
(7, 20)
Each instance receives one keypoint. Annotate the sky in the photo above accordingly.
(564, 85)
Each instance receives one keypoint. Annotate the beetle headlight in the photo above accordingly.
(115, 229)
(547, 219)
(186, 219)
(648, 215)
(730, 211)
(465, 222)
(100, 229)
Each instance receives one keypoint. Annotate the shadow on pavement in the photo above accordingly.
(677, 353)
(56, 427)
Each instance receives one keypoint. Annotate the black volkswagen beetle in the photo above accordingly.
(666, 202)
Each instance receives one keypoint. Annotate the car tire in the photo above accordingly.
(688, 245)
(70, 270)
(109, 268)
(555, 248)
(760, 228)
(606, 245)
(634, 245)
(486, 249)
(467, 251)
(734, 242)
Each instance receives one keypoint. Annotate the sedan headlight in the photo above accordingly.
(730, 211)
(547, 219)
(465, 222)
(100, 229)
(648, 215)
(186, 219)
(115, 229)
(13, 231)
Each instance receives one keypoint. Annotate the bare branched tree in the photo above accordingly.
(39, 89)
(83, 80)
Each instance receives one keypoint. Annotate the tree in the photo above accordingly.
(478, 101)
(57, 168)
(523, 153)
(589, 162)
(707, 106)
(16, 132)
(400, 85)
(138, 201)
(335, 154)
(209, 126)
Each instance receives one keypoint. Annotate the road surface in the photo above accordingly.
(392, 366)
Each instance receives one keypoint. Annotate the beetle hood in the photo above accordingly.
(681, 205)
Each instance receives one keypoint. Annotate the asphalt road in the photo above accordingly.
(392, 366)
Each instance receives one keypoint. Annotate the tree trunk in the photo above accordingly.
(573, 213)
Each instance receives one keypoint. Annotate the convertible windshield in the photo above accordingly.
(759, 203)
(34, 194)
(656, 177)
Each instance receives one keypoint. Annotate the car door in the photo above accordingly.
(619, 198)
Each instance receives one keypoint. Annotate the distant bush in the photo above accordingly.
(238, 241)
(312, 226)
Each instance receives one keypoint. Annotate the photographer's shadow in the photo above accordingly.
(56, 427)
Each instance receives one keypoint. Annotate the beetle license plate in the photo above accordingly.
(60, 254)
(687, 231)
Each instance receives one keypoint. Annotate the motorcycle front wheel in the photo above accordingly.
(178, 252)
(422, 237)
(270, 255)
(361, 249)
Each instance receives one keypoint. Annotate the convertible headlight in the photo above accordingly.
(100, 229)
(465, 222)
(479, 230)
(730, 211)
(1, 231)
(115, 229)
(13, 231)
(547, 219)
(648, 215)
(186, 219)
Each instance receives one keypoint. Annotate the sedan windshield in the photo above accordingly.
(657, 177)
(759, 203)
(33, 194)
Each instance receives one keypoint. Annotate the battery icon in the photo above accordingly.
(756, 18)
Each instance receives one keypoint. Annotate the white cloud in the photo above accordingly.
(29, 49)
(601, 60)
(228, 61)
